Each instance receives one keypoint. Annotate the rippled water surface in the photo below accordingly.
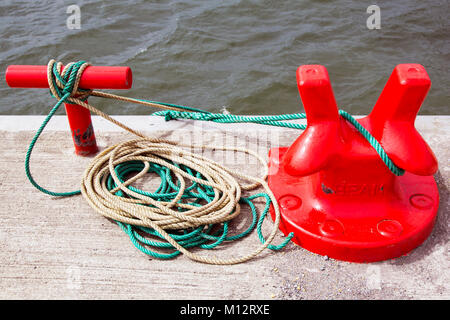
(238, 54)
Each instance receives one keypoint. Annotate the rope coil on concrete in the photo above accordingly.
(137, 209)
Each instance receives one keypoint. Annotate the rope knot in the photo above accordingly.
(64, 81)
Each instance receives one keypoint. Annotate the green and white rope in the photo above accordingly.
(374, 143)
(279, 120)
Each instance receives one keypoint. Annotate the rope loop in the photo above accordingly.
(64, 81)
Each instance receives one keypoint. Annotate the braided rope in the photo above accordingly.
(277, 120)
(374, 143)
(109, 194)
(143, 210)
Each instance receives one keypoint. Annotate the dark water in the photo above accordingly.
(238, 54)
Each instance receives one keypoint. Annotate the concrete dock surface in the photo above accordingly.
(60, 248)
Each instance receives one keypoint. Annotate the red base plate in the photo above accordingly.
(349, 224)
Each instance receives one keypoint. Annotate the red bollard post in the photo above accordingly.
(94, 77)
(334, 191)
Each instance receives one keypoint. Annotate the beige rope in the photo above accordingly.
(165, 215)
(133, 100)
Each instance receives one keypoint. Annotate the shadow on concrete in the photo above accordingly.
(440, 234)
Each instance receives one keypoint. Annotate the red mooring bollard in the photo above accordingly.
(334, 191)
(94, 77)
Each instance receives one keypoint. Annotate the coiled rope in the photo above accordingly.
(194, 210)
(176, 212)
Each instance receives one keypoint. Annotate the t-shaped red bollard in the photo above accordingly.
(334, 191)
(93, 77)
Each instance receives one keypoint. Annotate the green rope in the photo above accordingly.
(30, 149)
(374, 143)
(68, 81)
(279, 120)
(205, 237)
(147, 240)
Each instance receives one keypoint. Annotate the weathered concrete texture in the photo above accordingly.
(59, 248)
